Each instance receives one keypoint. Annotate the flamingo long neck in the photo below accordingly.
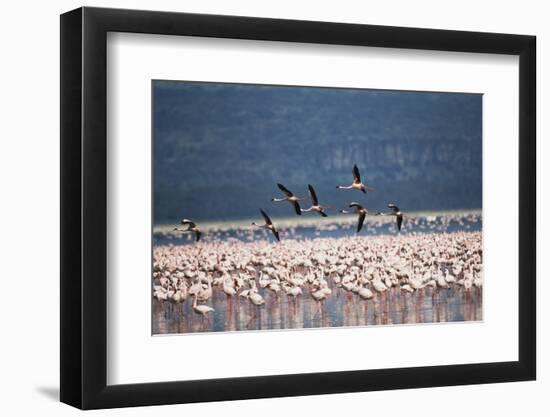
(279, 199)
(346, 187)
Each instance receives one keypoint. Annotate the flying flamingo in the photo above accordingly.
(191, 227)
(290, 197)
(315, 203)
(356, 184)
(268, 225)
(397, 213)
(362, 212)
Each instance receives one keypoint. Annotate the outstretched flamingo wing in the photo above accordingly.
(314, 200)
(361, 221)
(188, 222)
(297, 208)
(356, 175)
(393, 207)
(285, 190)
(266, 217)
(399, 222)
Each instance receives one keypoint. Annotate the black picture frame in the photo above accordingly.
(84, 207)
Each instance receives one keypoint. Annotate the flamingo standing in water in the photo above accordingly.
(290, 197)
(356, 184)
(201, 309)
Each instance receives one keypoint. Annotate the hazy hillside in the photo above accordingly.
(219, 149)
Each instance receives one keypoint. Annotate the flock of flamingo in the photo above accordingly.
(365, 267)
(294, 200)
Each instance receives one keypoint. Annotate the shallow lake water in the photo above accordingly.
(342, 308)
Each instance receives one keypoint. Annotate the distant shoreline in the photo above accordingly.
(310, 219)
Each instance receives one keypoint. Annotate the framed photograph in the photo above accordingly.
(257, 208)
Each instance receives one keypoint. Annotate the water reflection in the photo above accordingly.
(342, 308)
